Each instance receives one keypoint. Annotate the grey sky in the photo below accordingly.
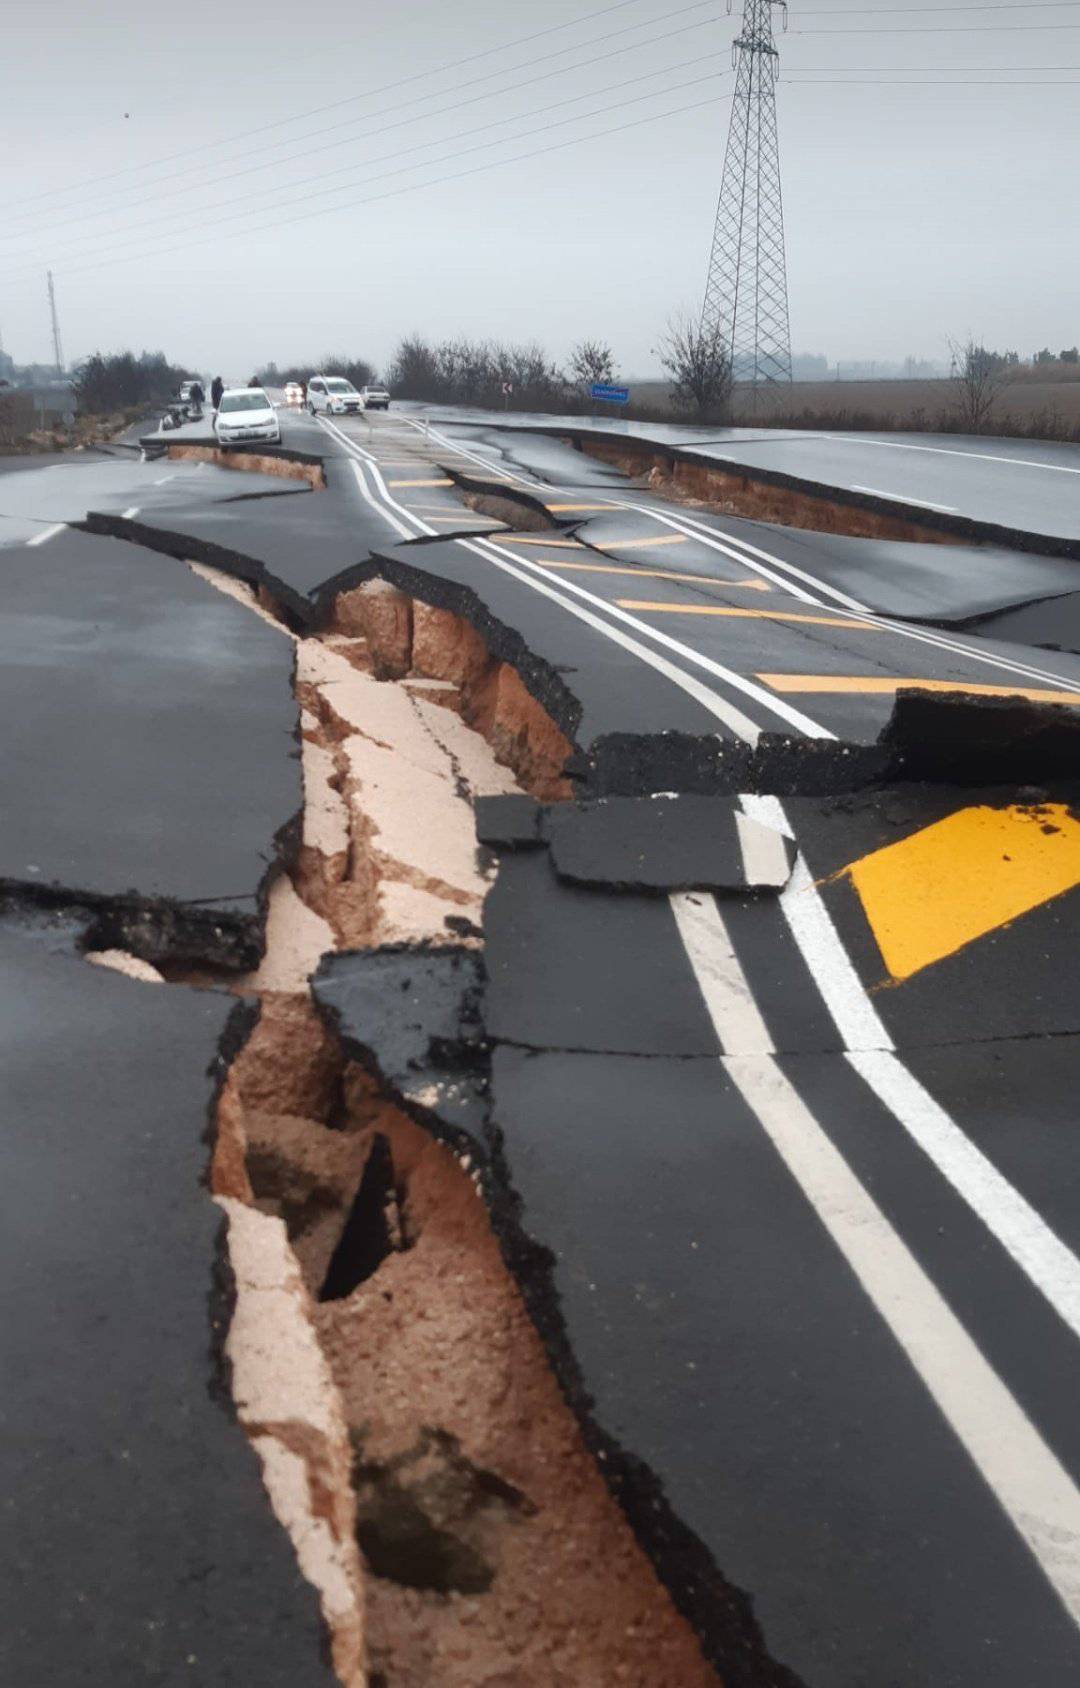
(912, 213)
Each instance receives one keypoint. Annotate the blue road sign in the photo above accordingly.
(610, 395)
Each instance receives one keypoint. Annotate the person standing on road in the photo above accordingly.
(217, 387)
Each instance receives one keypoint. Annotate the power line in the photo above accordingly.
(404, 122)
(246, 135)
(891, 82)
(438, 141)
(944, 29)
(462, 134)
(930, 70)
(418, 187)
(1039, 6)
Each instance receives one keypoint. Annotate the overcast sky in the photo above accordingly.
(913, 213)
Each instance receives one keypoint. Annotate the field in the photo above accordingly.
(1044, 406)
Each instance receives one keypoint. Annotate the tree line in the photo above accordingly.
(122, 381)
(493, 374)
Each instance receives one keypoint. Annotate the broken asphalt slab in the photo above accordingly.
(142, 1546)
(148, 754)
(414, 1017)
(709, 1330)
(666, 842)
(67, 491)
(949, 484)
(289, 545)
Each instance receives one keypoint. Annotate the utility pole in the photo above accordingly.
(746, 295)
(58, 350)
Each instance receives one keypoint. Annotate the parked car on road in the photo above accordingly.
(294, 393)
(246, 413)
(334, 394)
(375, 397)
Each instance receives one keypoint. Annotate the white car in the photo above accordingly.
(246, 413)
(294, 393)
(334, 394)
(375, 397)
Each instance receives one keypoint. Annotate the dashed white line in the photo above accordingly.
(951, 451)
(48, 533)
(905, 498)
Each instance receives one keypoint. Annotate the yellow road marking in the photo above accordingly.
(754, 585)
(638, 544)
(420, 483)
(552, 544)
(767, 615)
(875, 683)
(560, 507)
(931, 894)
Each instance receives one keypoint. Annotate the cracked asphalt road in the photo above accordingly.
(802, 1157)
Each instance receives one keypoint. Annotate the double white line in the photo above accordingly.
(1030, 1483)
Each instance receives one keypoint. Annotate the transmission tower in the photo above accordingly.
(746, 295)
(58, 350)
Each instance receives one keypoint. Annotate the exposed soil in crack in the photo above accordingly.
(414, 1440)
(291, 468)
(517, 510)
(762, 499)
(407, 636)
(494, 1553)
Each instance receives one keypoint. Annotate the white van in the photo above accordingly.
(334, 394)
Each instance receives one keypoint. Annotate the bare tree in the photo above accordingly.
(592, 364)
(699, 364)
(979, 377)
(414, 370)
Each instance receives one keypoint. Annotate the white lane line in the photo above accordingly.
(1033, 1488)
(47, 534)
(727, 713)
(1026, 1237)
(764, 856)
(738, 682)
(951, 451)
(165, 478)
(731, 717)
(399, 528)
(1031, 1485)
(905, 498)
(764, 562)
(1033, 1245)
(733, 1009)
(680, 524)
(919, 635)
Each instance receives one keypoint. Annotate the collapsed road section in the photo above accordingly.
(638, 1109)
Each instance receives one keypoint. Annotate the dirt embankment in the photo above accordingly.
(735, 494)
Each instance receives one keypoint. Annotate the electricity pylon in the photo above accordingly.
(746, 295)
